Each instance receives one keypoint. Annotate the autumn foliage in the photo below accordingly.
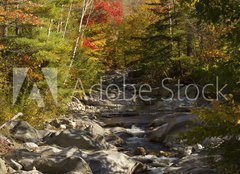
(20, 12)
(106, 10)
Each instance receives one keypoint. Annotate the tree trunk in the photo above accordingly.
(50, 28)
(86, 4)
(5, 29)
(68, 17)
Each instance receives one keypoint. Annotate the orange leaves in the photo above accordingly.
(20, 12)
(23, 17)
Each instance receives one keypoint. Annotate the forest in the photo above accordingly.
(56, 54)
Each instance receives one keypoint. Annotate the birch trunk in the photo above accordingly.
(50, 28)
(68, 17)
(86, 4)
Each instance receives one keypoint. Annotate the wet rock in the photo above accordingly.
(80, 139)
(23, 131)
(3, 168)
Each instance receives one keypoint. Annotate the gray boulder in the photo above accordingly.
(47, 159)
(23, 131)
(168, 127)
(65, 161)
(111, 162)
(77, 138)
(58, 165)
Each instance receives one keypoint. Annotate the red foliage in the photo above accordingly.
(104, 10)
(87, 42)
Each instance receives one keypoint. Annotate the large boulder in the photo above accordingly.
(23, 131)
(47, 159)
(21, 159)
(81, 139)
(111, 162)
(62, 165)
(169, 126)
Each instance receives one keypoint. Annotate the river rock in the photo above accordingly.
(168, 127)
(49, 159)
(61, 165)
(111, 162)
(21, 158)
(23, 131)
(92, 127)
(80, 139)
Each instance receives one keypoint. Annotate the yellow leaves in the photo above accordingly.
(238, 122)
(215, 54)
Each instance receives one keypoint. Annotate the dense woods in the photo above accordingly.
(194, 41)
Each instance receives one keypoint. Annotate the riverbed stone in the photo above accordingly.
(23, 131)
(80, 139)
